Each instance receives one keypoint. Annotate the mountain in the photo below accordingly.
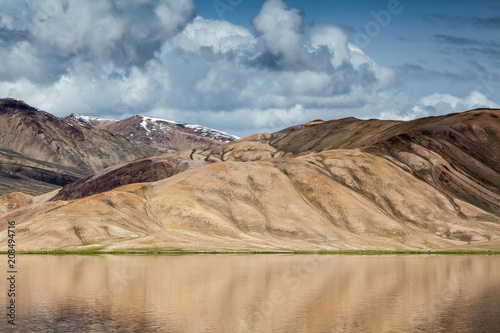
(40, 152)
(347, 184)
(19, 173)
(165, 135)
(466, 144)
(161, 166)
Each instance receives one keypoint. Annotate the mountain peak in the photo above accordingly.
(160, 133)
(14, 104)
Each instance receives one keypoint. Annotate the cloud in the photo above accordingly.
(456, 40)
(488, 22)
(219, 36)
(60, 33)
(281, 29)
(439, 104)
(211, 72)
(414, 71)
(118, 58)
(480, 46)
(446, 103)
(10, 37)
(223, 68)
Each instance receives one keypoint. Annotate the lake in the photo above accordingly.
(256, 293)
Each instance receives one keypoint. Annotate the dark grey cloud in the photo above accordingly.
(474, 73)
(419, 72)
(469, 49)
(492, 22)
(463, 41)
(492, 53)
(10, 37)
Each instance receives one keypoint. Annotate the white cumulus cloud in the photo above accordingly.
(281, 29)
(446, 103)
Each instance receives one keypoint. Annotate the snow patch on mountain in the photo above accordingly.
(204, 131)
(144, 125)
(85, 120)
(157, 131)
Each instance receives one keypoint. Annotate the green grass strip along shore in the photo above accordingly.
(177, 252)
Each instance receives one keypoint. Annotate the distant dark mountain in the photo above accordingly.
(19, 173)
(165, 135)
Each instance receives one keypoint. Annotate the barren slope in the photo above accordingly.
(161, 166)
(459, 154)
(342, 199)
(19, 173)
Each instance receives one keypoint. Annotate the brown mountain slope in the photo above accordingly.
(42, 136)
(35, 145)
(458, 154)
(31, 176)
(344, 133)
(161, 166)
(13, 201)
(339, 199)
(40, 152)
(147, 169)
(165, 135)
(351, 133)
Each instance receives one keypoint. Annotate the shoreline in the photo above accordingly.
(182, 252)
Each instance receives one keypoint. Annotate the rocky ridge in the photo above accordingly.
(165, 135)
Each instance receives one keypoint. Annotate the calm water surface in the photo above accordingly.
(256, 293)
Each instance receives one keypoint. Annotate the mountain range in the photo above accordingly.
(346, 184)
(40, 152)
(162, 134)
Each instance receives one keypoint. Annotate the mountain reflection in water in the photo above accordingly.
(257, 293)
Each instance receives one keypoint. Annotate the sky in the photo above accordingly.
(249, 66)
